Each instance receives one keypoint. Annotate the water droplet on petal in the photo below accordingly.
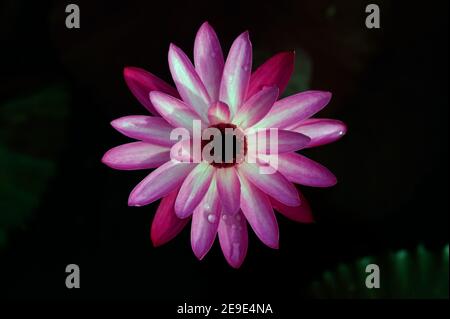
(224, 217)
(211, 218)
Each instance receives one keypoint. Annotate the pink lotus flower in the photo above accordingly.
(222, 198)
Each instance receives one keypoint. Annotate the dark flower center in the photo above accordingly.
(225, 147)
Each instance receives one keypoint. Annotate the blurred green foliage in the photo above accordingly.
(420, 273)
(301, 77)
(31, 136)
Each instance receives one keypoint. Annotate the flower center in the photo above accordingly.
(224, 145)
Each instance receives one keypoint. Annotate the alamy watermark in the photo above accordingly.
(73, 279)
(73, 18)
(373, 279)
(373, 19)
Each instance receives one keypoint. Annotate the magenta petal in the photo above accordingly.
(233, 238)
(160, 182)
(259, 213)
(236, 73)
(301, 213)
(188, 83)
(301, 170)
(274, 72)
(193, 189)
(295, 108)
(229, 189)
(141, 83)
(218, 112)
(321, 131)
(255, 108)
(136, 155)
(166, 225)
(288, 141)
(173, 110)
(146, 128)
(274, 185)
(205, 221)
(208, 60)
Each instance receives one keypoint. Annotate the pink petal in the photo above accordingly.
(236, 73)
(205, 221)
(193, 189)
(159, 183)
(233, 238)
(288, 141)
(188, 83)
(274, 72)
(300, 213)
(229, 189)
(174, 111)
(301, 170)
(141, 83)
(255, 108)
(136, 155)
(274, 185)
(259, 213)
(166, 225)
(295, 108)
(208, 60)
(218, 112)
(146, 128)
(321, 131)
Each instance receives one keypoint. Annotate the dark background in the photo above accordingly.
(61, 87)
